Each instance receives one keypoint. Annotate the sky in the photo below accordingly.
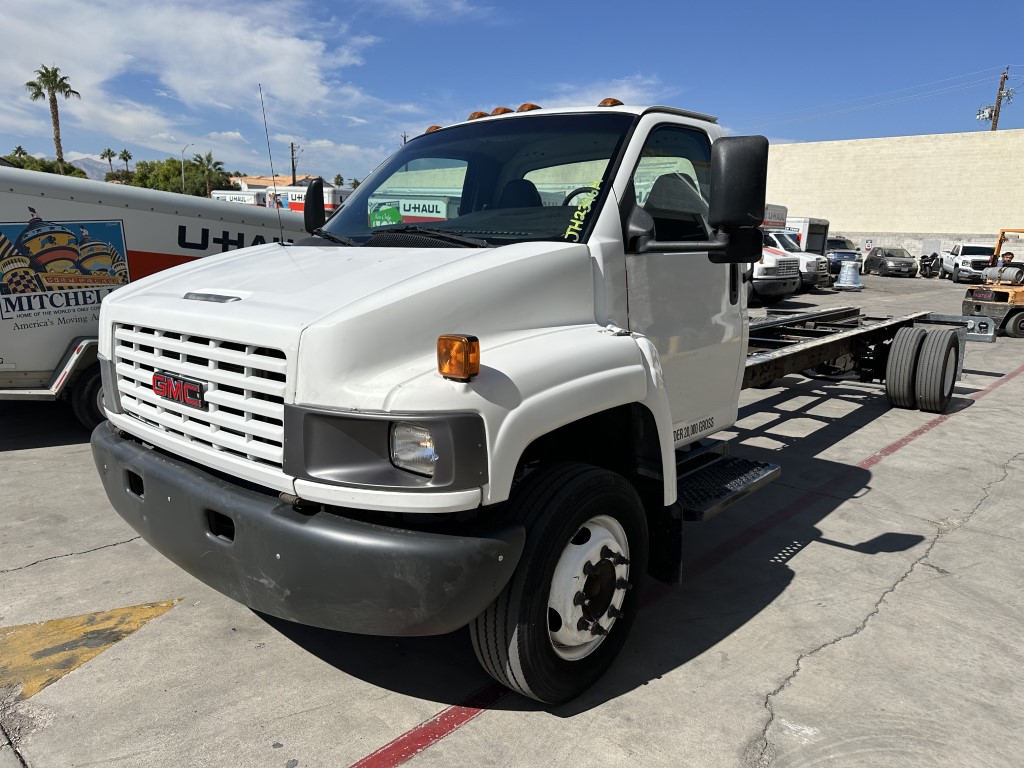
(344, 80)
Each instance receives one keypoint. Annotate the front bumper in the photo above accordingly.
(778, 286)
(318, 568)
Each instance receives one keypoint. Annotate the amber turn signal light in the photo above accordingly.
(458, 357)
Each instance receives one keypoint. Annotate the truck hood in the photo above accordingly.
(362, 319)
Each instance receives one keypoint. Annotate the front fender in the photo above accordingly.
(531, 384)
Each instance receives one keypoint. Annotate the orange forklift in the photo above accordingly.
(1001, 293)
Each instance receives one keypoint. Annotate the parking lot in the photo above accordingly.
(865, 610)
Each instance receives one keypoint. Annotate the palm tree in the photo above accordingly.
(50, 83)
(209, 168)
(339, 180)
(20, 151)
(108, 154)
(126, 156)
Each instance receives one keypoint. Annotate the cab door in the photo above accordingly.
(692, 310)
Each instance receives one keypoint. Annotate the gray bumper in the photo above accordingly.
(776, 287)
(318, 568)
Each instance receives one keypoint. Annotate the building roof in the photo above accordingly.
(262, 182)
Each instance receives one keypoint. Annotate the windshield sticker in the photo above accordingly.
(580, 215)
(382, 214)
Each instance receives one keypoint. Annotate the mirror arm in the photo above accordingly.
(648, 244)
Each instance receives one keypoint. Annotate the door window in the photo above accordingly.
(671, 182)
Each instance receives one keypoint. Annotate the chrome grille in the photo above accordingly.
(979, 264)
(788, 267)
(245, 386)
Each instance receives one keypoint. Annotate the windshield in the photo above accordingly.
(977, 250)
(787, 243)
(841, 244)
(536, 177)
(897, 253)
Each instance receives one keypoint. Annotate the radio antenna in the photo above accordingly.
(266, 130)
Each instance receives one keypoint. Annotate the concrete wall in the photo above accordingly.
(905, 189)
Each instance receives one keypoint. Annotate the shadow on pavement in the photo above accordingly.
(38, 424)
(736, 565)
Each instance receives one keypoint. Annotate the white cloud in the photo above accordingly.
(234, 136)
(634, 90)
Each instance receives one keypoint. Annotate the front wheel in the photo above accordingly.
(956, 274)
(87, 398)
(564, 616)
(1015, 326)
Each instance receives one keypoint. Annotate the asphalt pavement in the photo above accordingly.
(865, 610)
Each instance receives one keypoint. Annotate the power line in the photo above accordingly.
(912, 97)
(888, 93)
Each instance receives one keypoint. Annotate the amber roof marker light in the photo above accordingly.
(458, 356)
(527, 107)
(610, 103)
(477, 115)
(501, 111)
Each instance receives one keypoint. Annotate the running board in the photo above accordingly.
(708, 489)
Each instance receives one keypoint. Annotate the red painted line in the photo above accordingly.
(431, 731)
(449, 720)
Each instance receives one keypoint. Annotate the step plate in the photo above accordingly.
(705, 492)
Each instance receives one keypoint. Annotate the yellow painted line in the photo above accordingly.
(32, 656)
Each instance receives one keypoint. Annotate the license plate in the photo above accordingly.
(179, 389)
(982, 295)
(903, 269)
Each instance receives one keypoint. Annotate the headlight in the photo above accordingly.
(769, 271)
(965, 263)
(412, 448)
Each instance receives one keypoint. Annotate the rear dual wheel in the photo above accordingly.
(922, 367)
(564, 616)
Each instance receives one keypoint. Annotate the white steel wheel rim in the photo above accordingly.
(588, 587)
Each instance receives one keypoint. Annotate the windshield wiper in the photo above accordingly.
(334, 238)
(440, 234)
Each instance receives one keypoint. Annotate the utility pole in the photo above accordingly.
(405, 138)
(999, 98)
(294, 148)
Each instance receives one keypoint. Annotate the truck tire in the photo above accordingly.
(901, 368)
(1015, 326)
(87, 398)
(956, 274)
(936, 370)
(584, 526)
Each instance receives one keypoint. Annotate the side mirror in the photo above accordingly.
(313, 216)
(739, 176)
(739, 173)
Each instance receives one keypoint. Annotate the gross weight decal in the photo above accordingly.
(692, 430)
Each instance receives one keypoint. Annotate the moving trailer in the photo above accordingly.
(66, 243)
(811, 234)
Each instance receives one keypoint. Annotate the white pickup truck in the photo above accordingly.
(965, 262)
(499, 419)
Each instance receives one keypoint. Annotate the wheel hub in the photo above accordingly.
(588, 588)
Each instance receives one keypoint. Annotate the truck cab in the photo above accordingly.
(403, 428)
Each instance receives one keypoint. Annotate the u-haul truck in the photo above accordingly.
(66, 243)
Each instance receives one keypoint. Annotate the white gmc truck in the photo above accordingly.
(497, 419)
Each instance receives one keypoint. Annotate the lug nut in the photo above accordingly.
(582, 624)
(614, 613)
(623, 584)
(615, 557)
(589, 569)
(597, 629)
(580, 599)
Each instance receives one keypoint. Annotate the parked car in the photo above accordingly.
(839, 243)
(837, 258)
(966, 262)
(890, 261)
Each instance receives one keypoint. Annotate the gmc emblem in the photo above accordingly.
(180, 390)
